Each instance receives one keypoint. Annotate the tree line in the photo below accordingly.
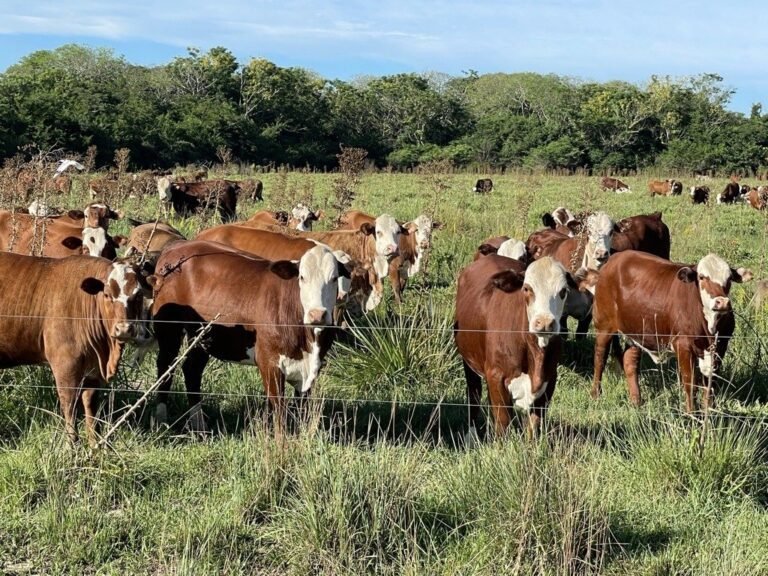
(207, 103)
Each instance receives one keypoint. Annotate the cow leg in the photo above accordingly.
(90, 396)
(583, 327)
(501, 404)
(685, 365)
(274, 384)
(602, 341)
(630, 362)
(68, 388)
(193, 368)
(394, 280)
(169, 336)
(474, 397)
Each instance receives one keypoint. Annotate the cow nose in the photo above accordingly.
(391, 250)
(316, 316)
(721, 304)
(543, 324)
(122, 331)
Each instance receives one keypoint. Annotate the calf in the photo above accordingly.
(645, 232)
(504, 246)
(758, 197)
(662, 306)
(189, 197)
(700, 194)
(506, 331)
(733, 192)
(668, 187)
(147, 241)
(74, 314)
(282, 326)
(300, 218)
(483, 186)
(613, 184)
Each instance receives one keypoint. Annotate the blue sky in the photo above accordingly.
(590, 39)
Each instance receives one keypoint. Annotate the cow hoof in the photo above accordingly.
(595, 393)
(471, 438)
(160, 417)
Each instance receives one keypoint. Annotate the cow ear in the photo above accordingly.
(115, 214)
(134, 222)
(285, 269)
(92, 286)
(740, 275)
(486, 249)
(72, 242)
(584, 279)
(508, 280)
(436, 225)
(574, 226)
(617, 228)
(76, 214)
(367, 228)
(548, 220)
(120, 240)
(318, 215)
(686, 274)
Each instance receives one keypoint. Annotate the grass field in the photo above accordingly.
(376, 481)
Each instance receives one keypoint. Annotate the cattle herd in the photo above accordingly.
(273, 293)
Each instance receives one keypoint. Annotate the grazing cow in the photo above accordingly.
(483, 186)
(357, 290)
(189, 197)
(700, 194)
(733, 192)
(504, 246)
(252, 189)
(74, 314)
(562, 220)
(614, 184)
(102, 188)
(588, 251)
(300, 218)
(758, 197)
(660, 307)
(54, 237)
(668, 187)
(412, 247)
(506, 331)
(60, 183)
(645, 232)
(281, 326)
(149, 240)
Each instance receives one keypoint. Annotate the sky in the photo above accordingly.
(596, 40)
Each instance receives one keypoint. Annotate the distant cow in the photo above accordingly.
(483, 186)
(74, 314)
(613, 184)
(758, 197)
(700, 194)
(668, 187)
(274, 315)
(645, 232)
(733, 192)
(300, 218)
(504, 246)
(506, 331)
(189, 197)
(661, 306)
(252, 189)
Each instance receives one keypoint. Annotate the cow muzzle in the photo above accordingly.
(543, 324)
(390, 251)
(721, 304)
(123, 331)
(317, 317)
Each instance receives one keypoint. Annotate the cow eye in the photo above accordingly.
(378, 233)
(701, 277)
(301, 278)
(563, 292)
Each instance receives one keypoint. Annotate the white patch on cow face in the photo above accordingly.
(387, 237)
(94, 241)
(301, 215)
(599, 237)
(422, 242)
(717, 271)
(301, 373)
(520, 390)
(545, 289)
(129, 320)
(164, 189)
(318, 285)
(512, 248)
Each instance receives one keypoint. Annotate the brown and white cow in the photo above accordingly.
(660, 307)
(483, 186)
(668, 187)
(507, 331)
(274, 315)
(504, 246)
(562, 220)
(644, 232)
(74, 314)
(614, 184)
(300, 218)
(700, 194)
(189, 197)
(733, 192)
(758, 197)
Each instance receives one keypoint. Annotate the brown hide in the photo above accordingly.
(645, 232)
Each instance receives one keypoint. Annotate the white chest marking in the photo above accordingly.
(301, 373)
(520, 390)
(707, 364)
(414, 268)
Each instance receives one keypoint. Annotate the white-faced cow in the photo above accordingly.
(483, 186)
(664, 307)
(300, 218)
(614, 184)
(504, 246)
(668, 187)
(700, 194)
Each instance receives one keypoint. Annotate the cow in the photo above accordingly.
(504, 246)
(586, 252)
(102, 188)
(252, 189)
(668, 187)
(507, 331)
(562, 220)
(614, 184)
(700, 194)
(272, 245)
(147, 241)
(54, 237)
(300, 218)
(282, 326)
(660, 307)
(483, 186)
(645, 232)
(412, 247)
(189, 197)
(758, 197)
(733, 192)
(74, 314)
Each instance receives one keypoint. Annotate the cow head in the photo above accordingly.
(599, 230)
(386, 231)
(319, 272)
(164, 189)
(514, 249)
(303, 217)
(422, 227)
(714, 277)
(122, 302)
(98, 214)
